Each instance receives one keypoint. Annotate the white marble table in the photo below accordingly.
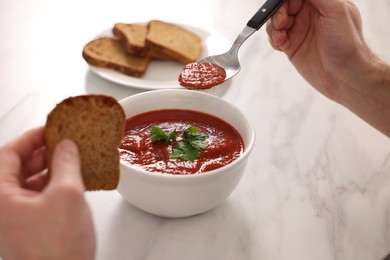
(316, 187)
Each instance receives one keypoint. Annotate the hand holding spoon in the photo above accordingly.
(214, 70)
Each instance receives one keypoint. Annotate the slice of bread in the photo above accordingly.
(173, 41)
(132, 37)
(96, 124)
(109, 53)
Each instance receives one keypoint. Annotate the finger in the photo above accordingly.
(294, 6)
(65, 169)
(289, 8)
(277, 38)
(14, 173)
(272, 44)
(11, 179)
(269, 30)
(278, 19)
(284, 17)
(280, 38)
(282, 45)
(36, 163)
(11, 168)
(27, 143)
(290, 21)
(37, 182)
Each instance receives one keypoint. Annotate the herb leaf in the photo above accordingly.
(159, 134)
(172, 135)
(195, 137)
(188, 148)
(184, 150)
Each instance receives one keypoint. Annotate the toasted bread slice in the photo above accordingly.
(133, 36)
(109, 53)
(173, 41)
(96, 124)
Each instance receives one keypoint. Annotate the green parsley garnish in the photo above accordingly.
(159, 134)
(188, 147)
(184, 150)
(195, 137)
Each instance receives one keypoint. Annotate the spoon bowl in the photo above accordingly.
(228, 61)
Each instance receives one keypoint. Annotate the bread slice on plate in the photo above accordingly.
(133, 36)
(106, 52)
(173, 41)
(96, 123)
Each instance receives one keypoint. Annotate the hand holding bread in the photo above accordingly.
(96, 124)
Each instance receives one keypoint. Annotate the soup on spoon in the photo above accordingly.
(201, 75)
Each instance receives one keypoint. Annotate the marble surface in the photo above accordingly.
(316, 187)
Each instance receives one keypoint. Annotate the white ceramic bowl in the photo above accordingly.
(176, 196)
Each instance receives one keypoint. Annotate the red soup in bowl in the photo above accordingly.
(176, 141)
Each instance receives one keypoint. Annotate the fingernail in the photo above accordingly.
(277, 19)
(284, 46)
(68, 146)
(275, 35)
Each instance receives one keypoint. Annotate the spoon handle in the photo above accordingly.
(264, 13)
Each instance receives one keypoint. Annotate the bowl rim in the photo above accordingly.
(247, 148)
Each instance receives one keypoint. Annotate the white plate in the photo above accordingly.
(163, 74)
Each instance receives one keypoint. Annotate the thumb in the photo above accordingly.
(65, 168)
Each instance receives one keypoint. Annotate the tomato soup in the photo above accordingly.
(201, 75)
(223, 143)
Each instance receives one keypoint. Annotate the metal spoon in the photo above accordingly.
(229, 60)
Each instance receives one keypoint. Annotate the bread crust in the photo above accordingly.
(96, 124)
(106, 52)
